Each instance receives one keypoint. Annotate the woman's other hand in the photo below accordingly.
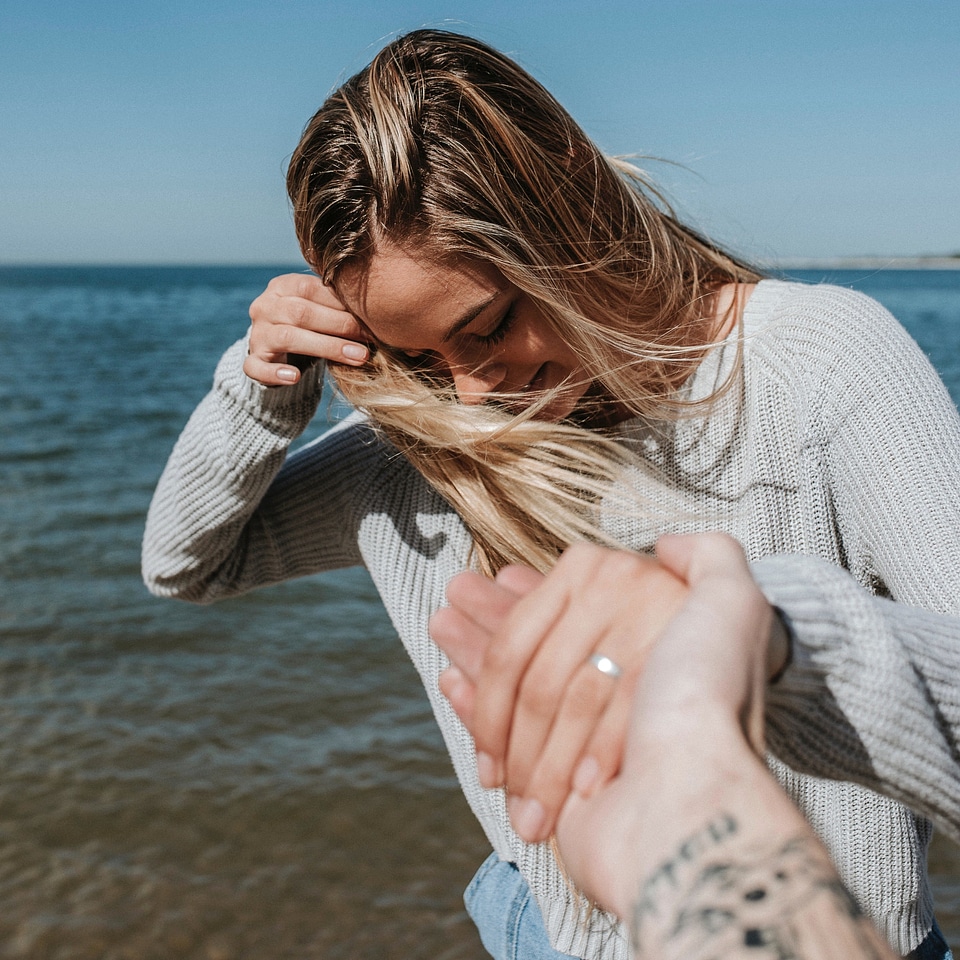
(299, 316)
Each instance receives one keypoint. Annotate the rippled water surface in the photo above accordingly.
(259, 779)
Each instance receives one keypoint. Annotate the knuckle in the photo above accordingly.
(260, 308)
(284, 338)
(721, 542)
(301, 284)
(711, 539)
(622, 563)
(606, 748)
(281, 282)
(297, 312)
(440, 625)
(459, 587)
(725, 551)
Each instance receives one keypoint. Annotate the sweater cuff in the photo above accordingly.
(812, 622)
(838, 630)
(285, 409)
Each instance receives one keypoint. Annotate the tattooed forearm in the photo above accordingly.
(663, 884)
(720, 896)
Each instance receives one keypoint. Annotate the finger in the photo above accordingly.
(621, 614)
(302, 286)
(297, 314)
(505, 661)
(307, 305)
(273, 341)
(546, 637)
(271, 374)
(461, 639)
(550, 782)
(603, 754)
(692, 557)
(486, 602)
(549, 690)
(479, 606)
(519, 580)
(460, 692)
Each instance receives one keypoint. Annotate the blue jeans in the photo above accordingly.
(507, 917)
(511, 928)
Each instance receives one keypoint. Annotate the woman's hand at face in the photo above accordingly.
(544, 718)
(300, 316)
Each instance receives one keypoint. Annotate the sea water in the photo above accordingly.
(259, 779)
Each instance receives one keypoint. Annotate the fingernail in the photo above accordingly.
(487, 771)
(585, 777)
(287, 373)
(528, 816)
(354, 351)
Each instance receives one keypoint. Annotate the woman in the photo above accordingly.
(557, 359)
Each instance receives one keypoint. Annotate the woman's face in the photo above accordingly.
(490, 337)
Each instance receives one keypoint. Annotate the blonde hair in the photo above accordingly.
(444, 146)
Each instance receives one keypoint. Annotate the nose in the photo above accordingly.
(473, 384)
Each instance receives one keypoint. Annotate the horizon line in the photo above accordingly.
(854, 262)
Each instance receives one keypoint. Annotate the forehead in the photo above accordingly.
(412, 302)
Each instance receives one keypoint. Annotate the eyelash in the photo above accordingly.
(502, 328)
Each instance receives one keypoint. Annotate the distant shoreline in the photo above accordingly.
(786, 263)
(865, 263)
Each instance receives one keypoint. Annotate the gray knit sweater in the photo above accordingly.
(837, 442)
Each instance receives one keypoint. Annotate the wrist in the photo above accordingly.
(686, 775)
(699, 730)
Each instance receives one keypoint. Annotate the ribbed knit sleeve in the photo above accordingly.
(231, 512)
(891, 443)
(871, 694)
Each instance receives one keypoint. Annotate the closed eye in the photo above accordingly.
(502, 328)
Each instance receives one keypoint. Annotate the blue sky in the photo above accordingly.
(158, 132)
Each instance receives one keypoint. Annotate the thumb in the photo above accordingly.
(675, 551)
(696, 556)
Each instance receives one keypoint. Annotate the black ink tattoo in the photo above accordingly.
(775, 903)
(666, 874)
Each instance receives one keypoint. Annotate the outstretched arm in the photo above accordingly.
(694, 843)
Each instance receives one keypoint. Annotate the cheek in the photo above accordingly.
(556, 348)
(543, 341)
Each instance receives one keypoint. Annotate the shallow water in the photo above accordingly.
(260, 779)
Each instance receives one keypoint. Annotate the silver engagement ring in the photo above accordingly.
(605, 665)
